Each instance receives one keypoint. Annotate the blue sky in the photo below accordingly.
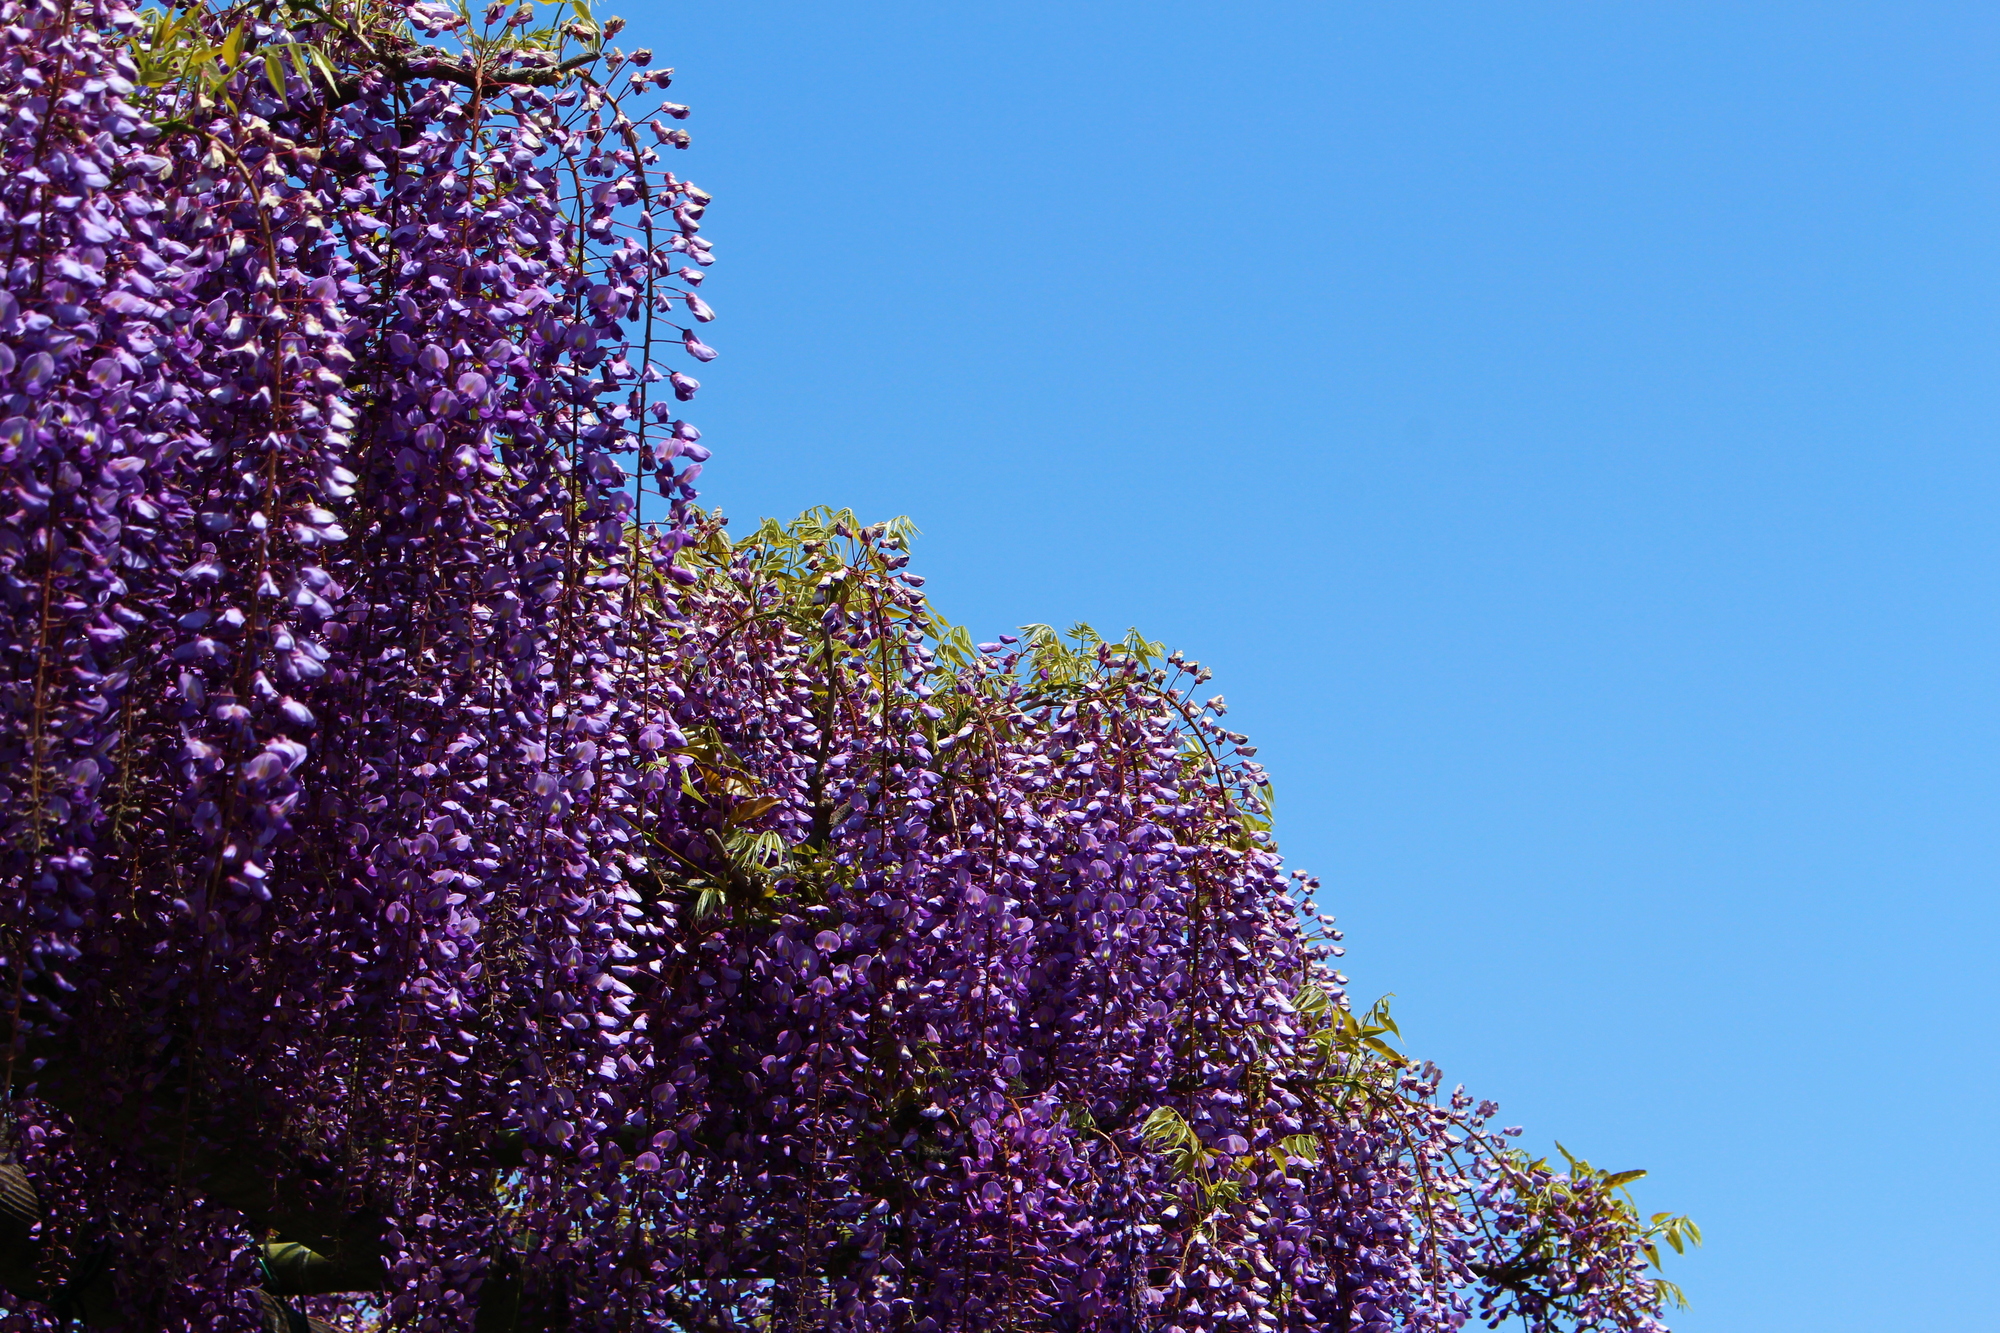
(1569, 432)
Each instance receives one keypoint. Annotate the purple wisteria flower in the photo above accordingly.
(449, 881)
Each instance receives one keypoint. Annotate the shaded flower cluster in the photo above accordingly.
(437, 889)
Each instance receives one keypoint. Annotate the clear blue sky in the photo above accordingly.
(1569, 432)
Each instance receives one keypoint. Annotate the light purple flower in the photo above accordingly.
(36, 372)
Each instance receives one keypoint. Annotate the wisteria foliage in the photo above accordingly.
(451, 884)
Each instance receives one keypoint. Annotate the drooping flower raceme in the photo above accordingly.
(442, 890)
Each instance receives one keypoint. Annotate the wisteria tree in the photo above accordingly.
(451, 883)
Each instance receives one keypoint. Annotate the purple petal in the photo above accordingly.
(41, 368)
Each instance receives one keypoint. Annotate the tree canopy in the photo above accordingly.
(450, 882)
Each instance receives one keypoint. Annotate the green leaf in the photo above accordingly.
(1300, 1147)
(1622, 1178)
(1166, 1129)
(274, 70)
(745, 811)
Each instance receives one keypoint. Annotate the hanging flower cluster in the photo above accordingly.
(438, 890)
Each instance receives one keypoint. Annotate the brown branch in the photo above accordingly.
(402, 69)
